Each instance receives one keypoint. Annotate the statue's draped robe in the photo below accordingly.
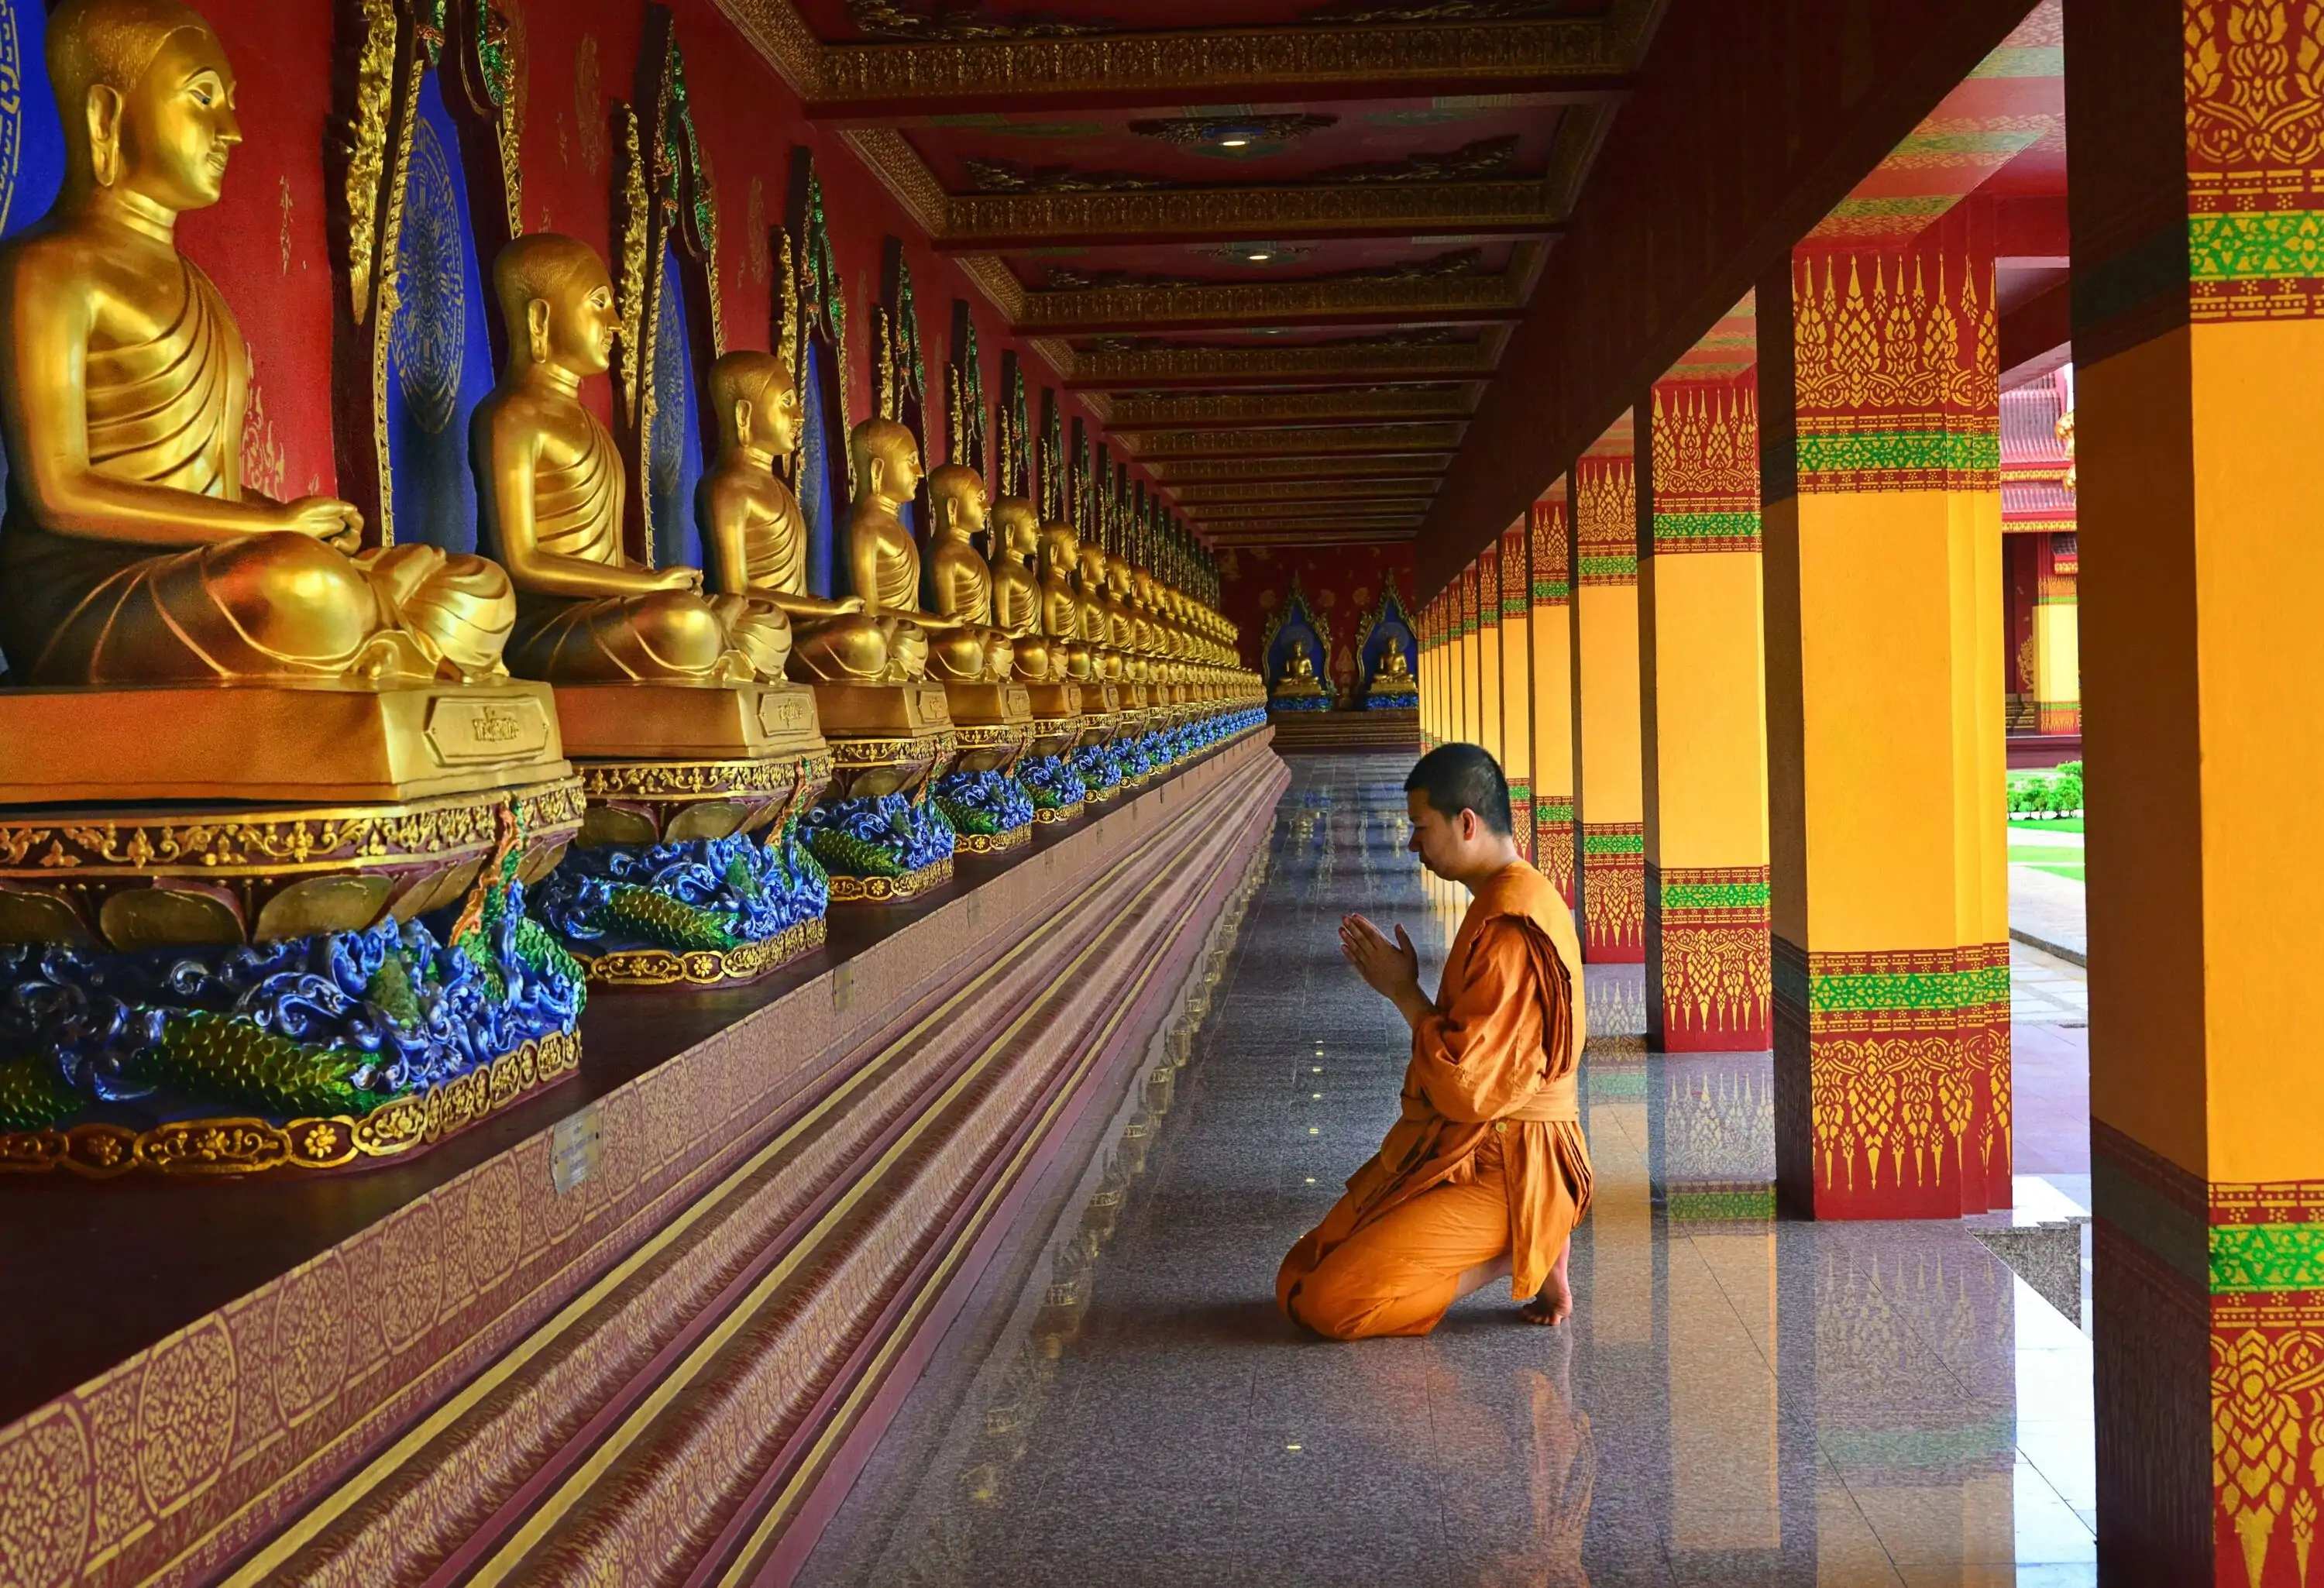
(665, 636)
(1487, 1158)
(266, 608)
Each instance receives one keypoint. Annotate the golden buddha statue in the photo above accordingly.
(1061, 606)
(552, 499)
(1299, 679)
(1016, 531)
(884, 562)
(1096, 623)
(754, 534)
(959, 509)
(131, 551)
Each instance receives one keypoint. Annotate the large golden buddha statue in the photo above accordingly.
(756, 537)
(883, 561)
(958, 509)
(1061, 605)
(131, 552)
(1096, 623)
(552, 499)
(1017, 591)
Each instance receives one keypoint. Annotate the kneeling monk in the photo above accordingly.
(1485, 1173)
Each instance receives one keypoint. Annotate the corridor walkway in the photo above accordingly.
(1739, 1400)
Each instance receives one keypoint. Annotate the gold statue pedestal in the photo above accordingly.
(1046, 770)
(274, 744)
(192, 852)
(989, 811)
(686, 872)
(876, 835)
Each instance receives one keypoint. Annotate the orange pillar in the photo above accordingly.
(1489, 650)
(1613, 848)
(1550, 621)
(1472, 698)
(1702, 676)
(1880, 415)
(2198, 334)
(1516, 683)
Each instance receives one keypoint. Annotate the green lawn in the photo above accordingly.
(2070, 823)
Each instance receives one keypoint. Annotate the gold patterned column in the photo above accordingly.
(1489, 651)
(1703, 678)
(2198, 198)
(1612, 858)
(1880, 448)
(1550, 621)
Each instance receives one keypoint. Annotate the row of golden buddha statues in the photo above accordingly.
(310, 852)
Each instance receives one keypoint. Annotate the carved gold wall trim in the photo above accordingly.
(1193, 215)
(1396, 507)
(776, 30)
(1217, 66)
(1398, 298)
(1247, 493)
(1322, 532)
(994, 279)
(903, 173)
(1270, 408)
(1425, 438)
(1342, 361)
(1172, 474)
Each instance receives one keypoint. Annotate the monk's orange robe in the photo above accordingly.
(1487, 1159)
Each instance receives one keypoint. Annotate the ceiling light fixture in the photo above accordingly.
(1234, 142)
(1260, 258)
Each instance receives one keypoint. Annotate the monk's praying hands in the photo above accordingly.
(1391, 969)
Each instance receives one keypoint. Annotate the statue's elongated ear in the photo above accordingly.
(103, 110)
(742, 420)
(536, 330)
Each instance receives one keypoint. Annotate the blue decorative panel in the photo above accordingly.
(32, 139)
(1390, 629)
(815, 492)
(674, 447)
(440, 354)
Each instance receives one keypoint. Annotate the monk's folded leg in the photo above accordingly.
(1397, 1273)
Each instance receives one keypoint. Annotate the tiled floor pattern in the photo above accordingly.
(1739, 1400)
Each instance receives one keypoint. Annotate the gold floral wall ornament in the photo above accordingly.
(632, 354)
(363, 140)
(589, 108)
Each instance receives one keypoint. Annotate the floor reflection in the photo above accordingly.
(1739, 1400)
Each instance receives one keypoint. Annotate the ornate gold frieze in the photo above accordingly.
(1395, 297)
(996, 843)
(1422, 437)
(903, 173)
(1178, 361)
(234, 1146)
(1170, 473)
(992, 277)
(1164, 410)
(1249, 491)
(1371, 506)
(1211, 66)
(1002, 220)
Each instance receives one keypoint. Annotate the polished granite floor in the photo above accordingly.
(1738, 1399)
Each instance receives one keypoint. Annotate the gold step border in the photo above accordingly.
(704, 967)
(1016, 837)
(230, 1147)
(852, 890)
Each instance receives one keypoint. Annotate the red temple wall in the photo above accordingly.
(267, 243)
(1341, 584)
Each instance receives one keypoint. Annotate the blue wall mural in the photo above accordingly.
(674, 449)
(32, 139)
(815, 474)
(440, 354)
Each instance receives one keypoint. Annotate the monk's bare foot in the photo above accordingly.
(1555, 1305)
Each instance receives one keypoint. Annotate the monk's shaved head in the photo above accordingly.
(1462, 777)
(543, 265)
